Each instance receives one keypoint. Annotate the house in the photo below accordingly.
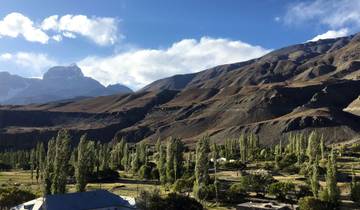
(92, 200)
(263, 206)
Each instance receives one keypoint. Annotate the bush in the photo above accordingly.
(107, 175)
(355, 193)
(179, 202)
(311, 203)
(145, 172)
(151, 200)
(155, 174)
(235, 165)
(281, 189)
(183, 185)
(236, 193)
(257, 183)
(304, 190)
(10, 197)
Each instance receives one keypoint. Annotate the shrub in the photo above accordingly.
(257, 183)
(311, 203)
(235, 165)
(288, 160)
(10, 197)
(151, 200)
(107, 175)
(281, 189)
(155, 174)
(304, 190)
(145, 172)
(355, 193)
(176, 201)
(183, 185)
(236, 193)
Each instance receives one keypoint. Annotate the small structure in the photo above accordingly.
(262, 206)
(92, 200)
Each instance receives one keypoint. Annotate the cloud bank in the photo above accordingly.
(29, 64)
(139, 67)
(331, 34)
(341, 17)
(101, 30)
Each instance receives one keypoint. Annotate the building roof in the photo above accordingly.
(83, 200)
(265, 206)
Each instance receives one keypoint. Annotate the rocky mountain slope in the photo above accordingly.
(58, 83)
(305, 87)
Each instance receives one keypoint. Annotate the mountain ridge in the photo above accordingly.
(300, 88)
(58, 83)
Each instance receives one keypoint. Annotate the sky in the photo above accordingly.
(135, 42)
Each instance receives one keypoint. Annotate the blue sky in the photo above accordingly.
(136, 42)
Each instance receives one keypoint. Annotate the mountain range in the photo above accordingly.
(58, 83)
(300, 88)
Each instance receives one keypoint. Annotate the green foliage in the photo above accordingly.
(281, 189)
(236, 193)
(314, 180)
(161, 164)
(201, 168)
(151, 200)
(332, 191)
(257, 183)
(174, 159)
(10, 197)
(311, 203)
(145, 172)
(183, 185)
(85, 163)
(62, 156)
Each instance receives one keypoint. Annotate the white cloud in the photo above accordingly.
(30, 64)
(137, 68)
(331, 34)
(57, 38)
(16, 24)
(333, 13)
(101, 30)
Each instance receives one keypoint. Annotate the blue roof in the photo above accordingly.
(84, 200)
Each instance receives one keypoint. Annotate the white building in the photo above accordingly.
(92, 200)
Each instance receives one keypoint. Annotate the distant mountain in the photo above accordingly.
(312, 86)
(58, 83)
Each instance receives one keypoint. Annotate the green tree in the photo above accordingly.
(49, 167)
(161, 164)
(313, 147)
(314, 181)
(125, 159)
(201, 168)
(81, 166)
(332, 191)
(62, 157)
(215, 157)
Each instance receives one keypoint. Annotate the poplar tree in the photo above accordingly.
(243, 148)
(314, 181)
(170, 172)
(215, 157)
(125, 158)
(161, 165)
(62, 157)
(322, 147)
(135, 164)
(32, 163)
(332, 191)
(81, 166)
(201, 168)
(49, 167)
(313, 147)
